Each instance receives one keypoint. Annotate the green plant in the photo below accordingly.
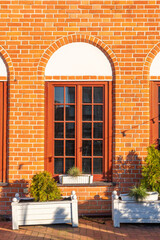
(74, 171)
(151, 170)
(44, 188)
(139, 193)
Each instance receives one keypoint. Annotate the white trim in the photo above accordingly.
(3, 69)
(155, 66)
(78, 59)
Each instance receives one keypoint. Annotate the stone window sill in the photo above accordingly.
(4, 184)
(94, 184)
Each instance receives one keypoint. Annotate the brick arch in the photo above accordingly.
(148, 61)
(8, 62)
(77, 38)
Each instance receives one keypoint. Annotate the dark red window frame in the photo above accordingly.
(49, 130)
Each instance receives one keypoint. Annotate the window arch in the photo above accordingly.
(79, 111)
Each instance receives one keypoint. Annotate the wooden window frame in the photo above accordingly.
(3, 131)
(107, 149)
(154, 121)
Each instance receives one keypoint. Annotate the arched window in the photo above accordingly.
(3, 119)
(79, 111)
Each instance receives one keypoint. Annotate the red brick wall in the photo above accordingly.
(30, 31)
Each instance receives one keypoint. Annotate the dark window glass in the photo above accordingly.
(69, 163)
(70, 95)
(98, 95)
(159, 129)
(87, 130)
(70, 148)
(59, 94)
(86, 165)
(98, 130)
(58, 130)
(70, 130)
(159, 111)
(87, 94)
(58, 165)
(70, 113)
(86, 148)
(97, 148)
(58, 148)
(59, 112)
(159, 94)
(97, 165)
(87, 113)
(98, 113)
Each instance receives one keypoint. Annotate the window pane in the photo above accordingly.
(87, 113)
(87, 94)
(97, 165)
(58, 165)
(58, 147)
(69, 163)
(87, 130)
(70, 95)
(86, 165)
(159, 111)
(98, 113)
(98, 95)
(70, 113)
(58, 130)
(97, 148)
(59, 94)
(59, 112)
(98, 130)
(69, 147)
(86, 148)
(159, 94)
(70, 130)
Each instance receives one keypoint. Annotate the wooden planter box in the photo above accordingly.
(36, 213)
(134, 212)
(83, 179)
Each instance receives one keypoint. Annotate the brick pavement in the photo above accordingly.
(87, 230)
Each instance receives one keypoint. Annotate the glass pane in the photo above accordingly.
(98, 113)
(58, 147)
(159, 111)
(97, 165)
(69, 163)
(58, 130)
(87, 94)
(70, 130)
(58, 165)
(97, 148)
(159, 129)
(59, 112)
(159, 94)
(87, 113)
(70, 95)
(86, 165)
(59, 94)
(86, 148)
(70, 113)
(69, 147)
(87, 130)
(98, 130)
(98, 95)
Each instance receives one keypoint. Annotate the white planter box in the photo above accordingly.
(53, 212)
(152, 196)
(66, 179)
(134, 212)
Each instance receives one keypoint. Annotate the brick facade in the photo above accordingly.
(30, 32)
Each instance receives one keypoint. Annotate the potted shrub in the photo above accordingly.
(75, 176)
(141, 204)
(48, 206)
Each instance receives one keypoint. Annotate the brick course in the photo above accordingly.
(30, 31)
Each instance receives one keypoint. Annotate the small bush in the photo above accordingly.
(151, 170)
(139, 193)
(74, 172)
(44, 188)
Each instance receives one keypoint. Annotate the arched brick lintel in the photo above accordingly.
(148, 61)
(78, 38)
(8, 62)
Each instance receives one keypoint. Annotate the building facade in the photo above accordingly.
(79, 83)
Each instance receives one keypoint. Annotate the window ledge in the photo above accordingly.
(94, 184)
(2, 184)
